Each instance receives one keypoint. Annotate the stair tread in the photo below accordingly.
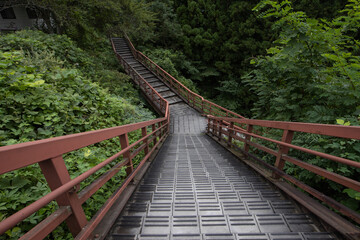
(167, 94)
(162, 89)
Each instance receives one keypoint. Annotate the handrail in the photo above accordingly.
(193, 99)
(224, 130)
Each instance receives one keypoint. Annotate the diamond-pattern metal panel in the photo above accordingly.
(195, 189)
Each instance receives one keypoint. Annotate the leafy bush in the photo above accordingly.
(46, 91)
(176, 64)
(312, 74)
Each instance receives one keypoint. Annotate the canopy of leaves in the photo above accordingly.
(312, 74)
(89, 22)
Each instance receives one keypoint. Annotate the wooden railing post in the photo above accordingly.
(248, 138)
(220, 123)
(153, 127)
(213, 127)
(280, 163)
(208, 126)
(124, 142)
(56, 175)
(144, 133)
(160, 131)
(231, 132)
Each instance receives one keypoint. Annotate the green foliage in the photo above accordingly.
(46, 90)
(219, 38)
(88, 22)
(167, 29)
(320, 9)
(311, 74)
(176, 64)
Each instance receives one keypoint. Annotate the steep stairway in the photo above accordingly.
(122, 48)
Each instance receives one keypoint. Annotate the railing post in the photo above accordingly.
(124, 142)
(208, 125)
(202, 105)
(155, 135)
(280, 163)
(56, 175)
(160, 131)
(248, 138)
(144, 133)
(231, 132)
(220, 123)
(213, 127)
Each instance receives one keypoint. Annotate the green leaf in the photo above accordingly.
(352, 193)
(340, 121)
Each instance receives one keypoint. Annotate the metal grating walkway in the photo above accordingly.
(196, 189)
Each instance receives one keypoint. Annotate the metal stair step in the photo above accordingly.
(148, 75)
(143, 71)
(173, 100)
(150, 80)
(167, 94)
(162, 89)
(157, 84)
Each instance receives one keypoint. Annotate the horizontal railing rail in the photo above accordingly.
(223, 129)
(193, 99)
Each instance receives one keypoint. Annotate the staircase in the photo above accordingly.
(122, 48)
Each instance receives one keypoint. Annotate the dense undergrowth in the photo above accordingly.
(49, 87)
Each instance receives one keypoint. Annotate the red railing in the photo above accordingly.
(48, 154)
(224, 129)
(193, 99)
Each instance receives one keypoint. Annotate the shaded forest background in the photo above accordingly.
(289, 60)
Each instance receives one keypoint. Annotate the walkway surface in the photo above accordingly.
(196, 189)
